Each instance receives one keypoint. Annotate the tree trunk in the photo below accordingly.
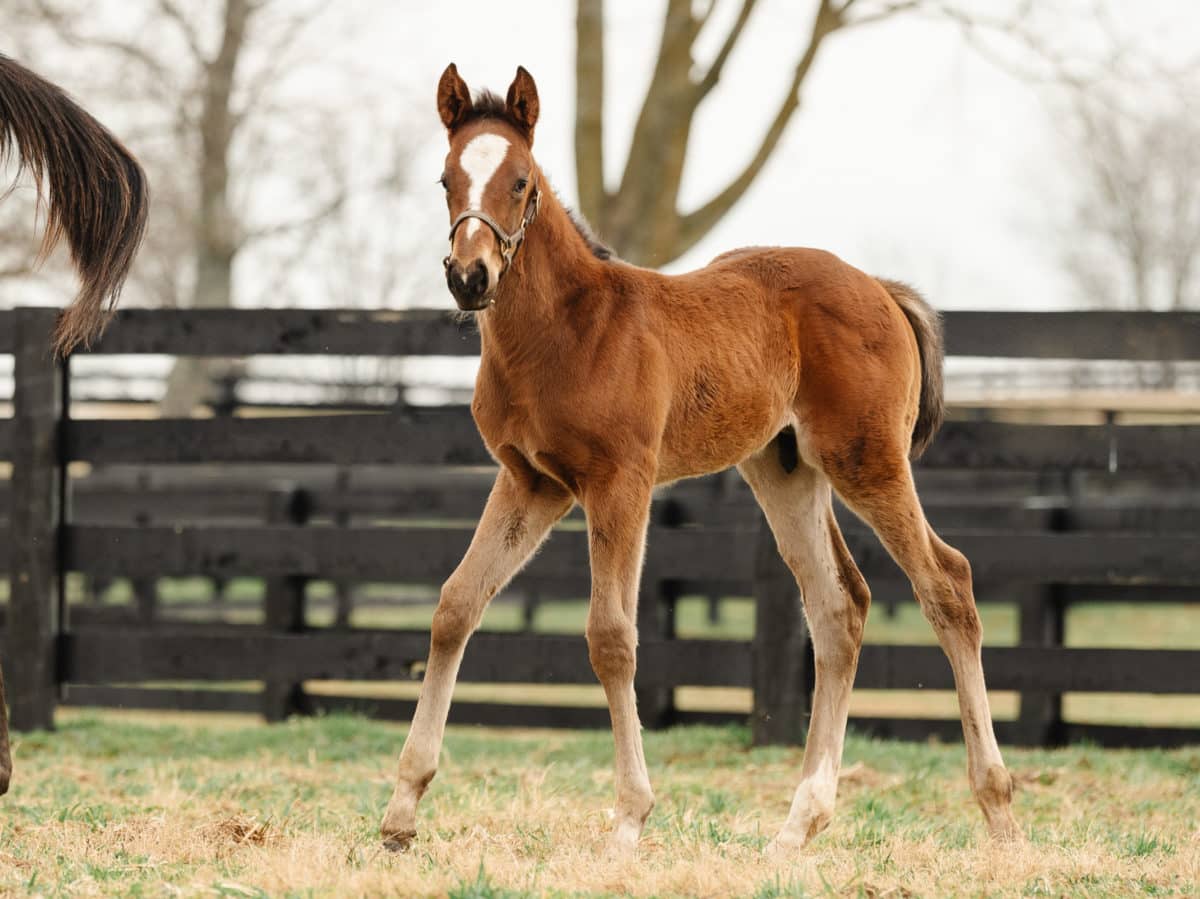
(642, 218)
(191, 380)
(589, 108)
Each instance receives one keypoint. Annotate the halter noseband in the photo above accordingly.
(509, 243)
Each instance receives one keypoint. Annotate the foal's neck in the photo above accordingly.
(554, 263)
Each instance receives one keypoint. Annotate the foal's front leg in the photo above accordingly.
(617, 513)
(520, 512)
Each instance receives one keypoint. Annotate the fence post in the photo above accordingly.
(1042, 622)
(343, 589)
(784, 670)
(145, 589)
(283, 604)
(33, 624)
(656, 623)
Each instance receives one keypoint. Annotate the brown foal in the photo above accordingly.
(600, 380)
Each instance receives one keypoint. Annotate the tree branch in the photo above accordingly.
(278, 58)
(332, 205)
(63, 25)
(698, 223)
(15, 271)
(884, 12)
(170, 9)
(713, 75)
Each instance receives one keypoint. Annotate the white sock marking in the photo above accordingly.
(480, 159)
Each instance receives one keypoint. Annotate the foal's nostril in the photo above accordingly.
(468, 283)
(477, 281)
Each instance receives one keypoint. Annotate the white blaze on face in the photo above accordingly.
(480, 159)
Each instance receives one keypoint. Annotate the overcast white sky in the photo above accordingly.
(911, 155)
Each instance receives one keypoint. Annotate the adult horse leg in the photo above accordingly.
(618, 511)
(520, 512)
(883, 494)
(5, 757)
(798, 508)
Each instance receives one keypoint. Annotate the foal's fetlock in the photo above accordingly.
(399, 826)
(811, 812)
(995, 798)
(795, 836)
(630, 821)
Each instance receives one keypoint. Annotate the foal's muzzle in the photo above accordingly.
(469, 284)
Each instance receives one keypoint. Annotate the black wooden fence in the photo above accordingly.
(1044, 555)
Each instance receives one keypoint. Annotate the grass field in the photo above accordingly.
(125, 804)
(121, 803)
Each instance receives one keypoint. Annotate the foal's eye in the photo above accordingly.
(519, 187)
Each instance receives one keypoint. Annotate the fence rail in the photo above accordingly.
(1089, 334)
(1042, 554)
(700, 556)
(447, 436)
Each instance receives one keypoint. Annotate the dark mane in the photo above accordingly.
(489, 105)
(599, 250)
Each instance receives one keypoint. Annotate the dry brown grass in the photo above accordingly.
(107, 807)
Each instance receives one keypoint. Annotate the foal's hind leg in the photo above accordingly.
(519, 513)
(799, 511)
(881, 491)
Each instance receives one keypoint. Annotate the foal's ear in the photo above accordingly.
(453, 98)
(522, 101)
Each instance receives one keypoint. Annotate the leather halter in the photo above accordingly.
(509, 243)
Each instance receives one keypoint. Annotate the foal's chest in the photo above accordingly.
(519, 421)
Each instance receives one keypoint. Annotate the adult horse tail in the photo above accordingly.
(95, 193)
(927, 326)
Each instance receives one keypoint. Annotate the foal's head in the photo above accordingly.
(490, 180)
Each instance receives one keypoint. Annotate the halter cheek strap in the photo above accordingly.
(509, 243)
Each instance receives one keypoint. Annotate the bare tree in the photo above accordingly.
(641, 217)
(244, 160)
(1133, 236)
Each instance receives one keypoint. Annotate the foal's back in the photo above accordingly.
(767, 337)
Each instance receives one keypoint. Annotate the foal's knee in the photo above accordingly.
(950, 605)
(453, 621)
(612, 647)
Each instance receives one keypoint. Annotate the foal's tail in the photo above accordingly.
(98, 197)
(927, 325)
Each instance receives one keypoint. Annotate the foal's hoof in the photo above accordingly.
(623, 841)
(786, 845)
(620, 849)
(1006, 831)
(400, 841)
